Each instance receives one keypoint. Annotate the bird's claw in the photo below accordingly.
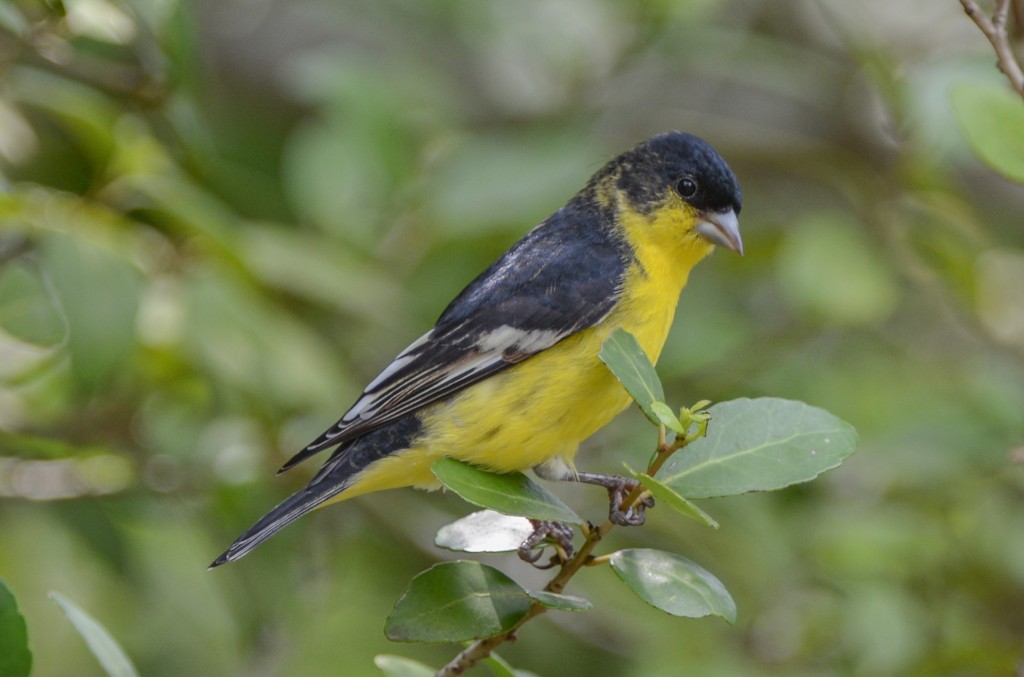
(618, 489)
(633, 516)
(557, 533)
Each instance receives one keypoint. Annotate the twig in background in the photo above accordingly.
(994, 28)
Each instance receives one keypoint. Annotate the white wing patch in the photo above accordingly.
(524, 341)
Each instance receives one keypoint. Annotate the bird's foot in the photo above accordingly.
(557, 534)
(618, 489)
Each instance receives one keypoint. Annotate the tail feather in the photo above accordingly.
(298, 458)
(338, 473)
(289, 510)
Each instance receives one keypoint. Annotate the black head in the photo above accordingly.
(686, 165)
(684, 162)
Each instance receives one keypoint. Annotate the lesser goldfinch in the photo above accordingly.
(509, 378)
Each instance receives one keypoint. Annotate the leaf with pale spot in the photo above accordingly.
(484, 531)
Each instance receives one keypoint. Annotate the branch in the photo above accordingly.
(481, 649)
(994, 28)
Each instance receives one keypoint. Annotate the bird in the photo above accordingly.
(509, 378)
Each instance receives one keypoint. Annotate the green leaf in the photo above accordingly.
(15, 658)
(673, 584)
(665, 494)
(99, 295)
(992, 119)
(759, 445)
(28, 310)
(484, 531)
(501, 668)
(665, 416)
(562, 602)
(399, 666)
(625, 358)
(511, 493)
(106, 649)
(457, 602)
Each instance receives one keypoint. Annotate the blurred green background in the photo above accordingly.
(219, 220)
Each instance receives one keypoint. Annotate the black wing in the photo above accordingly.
(563, 276)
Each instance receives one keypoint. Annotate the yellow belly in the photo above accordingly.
(543, 408)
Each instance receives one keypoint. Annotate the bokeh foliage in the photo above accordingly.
(219, 220)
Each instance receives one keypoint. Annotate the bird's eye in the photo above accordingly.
(687, 187)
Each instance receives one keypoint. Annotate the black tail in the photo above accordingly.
(289, 510)
(336, 475)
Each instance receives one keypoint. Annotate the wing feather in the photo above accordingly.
(562, 277)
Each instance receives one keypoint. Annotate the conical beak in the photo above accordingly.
(723, 229)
